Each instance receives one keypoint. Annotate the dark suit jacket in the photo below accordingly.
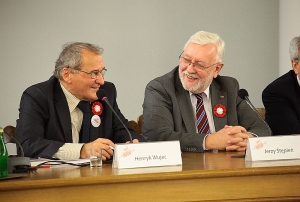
(281, 99)
(168, 112)
(44, 123)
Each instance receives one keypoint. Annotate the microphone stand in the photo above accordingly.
(107, 102)
(18, 164)
(254, 109)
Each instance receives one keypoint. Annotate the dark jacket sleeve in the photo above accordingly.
(281, 99)
(38, 133)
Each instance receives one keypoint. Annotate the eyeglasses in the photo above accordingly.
(197, 65)
(95, 73)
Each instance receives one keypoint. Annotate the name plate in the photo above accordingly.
(273, 148)
(147, 154)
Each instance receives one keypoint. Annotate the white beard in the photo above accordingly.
(200, 87)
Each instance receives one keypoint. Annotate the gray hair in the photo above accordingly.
(71, 56)
(203, 38)
(294, 49)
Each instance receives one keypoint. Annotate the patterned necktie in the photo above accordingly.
(84, 135)
(202, 121)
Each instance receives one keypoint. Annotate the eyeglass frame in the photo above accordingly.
(93, 73)
(196, 65)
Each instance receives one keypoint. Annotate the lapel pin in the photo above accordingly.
(220, 110)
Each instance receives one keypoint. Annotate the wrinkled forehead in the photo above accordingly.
(92, 60)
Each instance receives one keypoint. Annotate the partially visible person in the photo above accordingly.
(50, 123)
(281, 98)
(196, 106)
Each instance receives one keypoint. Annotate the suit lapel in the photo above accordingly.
(62, 110)
(296, 87)
(218, 97)
(185, 106)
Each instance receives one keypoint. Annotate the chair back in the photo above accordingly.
(262, 112)
(9, 133)
(137, 125)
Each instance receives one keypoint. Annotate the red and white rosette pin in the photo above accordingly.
(97, 108)
(220, 110)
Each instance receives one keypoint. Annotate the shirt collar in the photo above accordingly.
(71, 99)
(206, 92)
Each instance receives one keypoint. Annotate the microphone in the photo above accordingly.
(245, 96)
(16, 164)
(101, 94)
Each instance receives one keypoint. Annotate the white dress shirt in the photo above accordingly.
(70, 151)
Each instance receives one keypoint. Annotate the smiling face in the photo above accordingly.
(80, 84)
(197, 81)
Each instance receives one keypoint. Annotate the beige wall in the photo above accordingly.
(289, 28)
(142, 40)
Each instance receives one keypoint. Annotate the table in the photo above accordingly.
(202, 177)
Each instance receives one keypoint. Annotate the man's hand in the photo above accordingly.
(230, 138)
(103, 143)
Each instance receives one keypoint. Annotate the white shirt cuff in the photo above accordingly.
(69, 151)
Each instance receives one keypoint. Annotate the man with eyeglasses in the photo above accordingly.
(197, 106)
(62, 117)
(281, 97)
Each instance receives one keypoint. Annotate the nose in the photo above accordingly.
(100, 79)
(190, 67)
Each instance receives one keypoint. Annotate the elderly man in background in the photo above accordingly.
(281, 98)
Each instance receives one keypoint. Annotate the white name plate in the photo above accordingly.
(273, 148)
(147, 154)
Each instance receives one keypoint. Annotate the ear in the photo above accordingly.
(66, 75)
(218, 69)
(295, 67)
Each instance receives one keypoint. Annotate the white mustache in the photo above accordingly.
(194, 76)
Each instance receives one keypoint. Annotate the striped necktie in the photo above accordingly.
(202, 121)
(84, 136)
